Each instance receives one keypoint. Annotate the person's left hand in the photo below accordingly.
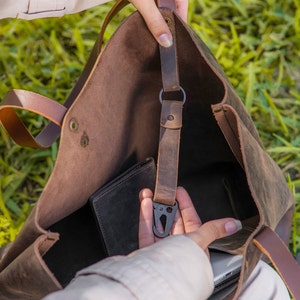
(155, 20)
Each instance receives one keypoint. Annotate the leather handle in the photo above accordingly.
(269, 243)
(29, 101)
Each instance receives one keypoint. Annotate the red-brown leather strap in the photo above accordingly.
(273, 247)
(29, 101)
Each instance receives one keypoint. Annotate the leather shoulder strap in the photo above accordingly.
(273, 247)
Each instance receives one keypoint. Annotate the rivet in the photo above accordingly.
(73, 125)
(170, 117)
(84, 140)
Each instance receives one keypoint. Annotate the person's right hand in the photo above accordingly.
(155, 20)
(186, 222)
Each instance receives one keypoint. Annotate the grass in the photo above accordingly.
(257, 42)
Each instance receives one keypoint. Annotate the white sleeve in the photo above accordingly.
(175, 268)
(264, 283)
(33, 9)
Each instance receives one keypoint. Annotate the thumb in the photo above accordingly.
(213, 230)
(155, 21)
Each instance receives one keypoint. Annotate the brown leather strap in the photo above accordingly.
(271, 245)
(29, 101)
(171, 121)
(168, 152)
(168, 56)
(168, 59)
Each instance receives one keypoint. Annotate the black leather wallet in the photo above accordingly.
(116, 207)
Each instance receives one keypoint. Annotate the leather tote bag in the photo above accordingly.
(136, 102)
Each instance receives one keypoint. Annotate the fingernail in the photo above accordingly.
(232, 227)
(165, 40)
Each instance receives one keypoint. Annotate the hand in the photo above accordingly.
(186, 222)
(155, 20)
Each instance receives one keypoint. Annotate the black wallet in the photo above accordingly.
(116, 207)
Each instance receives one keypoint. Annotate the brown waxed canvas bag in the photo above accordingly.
(135, 101)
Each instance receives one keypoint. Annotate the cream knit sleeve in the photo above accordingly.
(34, 9)
(176, 268)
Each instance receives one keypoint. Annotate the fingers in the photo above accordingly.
(182, 9)
(213, 230)
(146, 236)
(189, 215)
(186, 219)
(178, 226)
(154, 21)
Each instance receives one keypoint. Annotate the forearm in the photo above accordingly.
(33, 9)
(175, 268)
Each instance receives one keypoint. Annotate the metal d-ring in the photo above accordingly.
(182, 91)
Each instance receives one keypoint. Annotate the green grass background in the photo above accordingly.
(257, 43)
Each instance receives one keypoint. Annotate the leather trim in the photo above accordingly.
(271, 245)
